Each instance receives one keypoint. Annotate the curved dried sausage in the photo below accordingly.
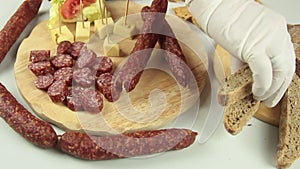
(16, 24)
(34, 130)
(84, 146)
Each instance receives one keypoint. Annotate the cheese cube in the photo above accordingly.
(124, 30)
(66, 34)
(82, 31)
(104, 29)
(98, 24)
(110, 48)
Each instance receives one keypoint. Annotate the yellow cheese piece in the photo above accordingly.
(124, 30)
(82, 32)
(110, 48)
(66, 35)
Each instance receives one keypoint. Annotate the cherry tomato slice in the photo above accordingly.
(71, 8)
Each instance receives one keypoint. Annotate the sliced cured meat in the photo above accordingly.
(62, 60)
(102, 65)
(65, 74)
(40, 68)
(43, 82)
(63, 46)
(39, 55)
(105, 84)
(57, 91)
(75, 49)
(73, 98)
(86, 58)
(84, 77)
(92, 100)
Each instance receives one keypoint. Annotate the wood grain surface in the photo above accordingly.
(157, 100)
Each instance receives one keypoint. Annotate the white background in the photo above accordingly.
(254, 147)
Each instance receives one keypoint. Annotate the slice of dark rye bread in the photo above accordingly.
(237, 114)
(237, 86)
(289, 126)
(236, 95)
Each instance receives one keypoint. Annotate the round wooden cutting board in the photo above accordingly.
(156, 101)
(222, 67)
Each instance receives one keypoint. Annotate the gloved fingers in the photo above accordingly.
(276, 97)
(283, 66)
(261, 68)
(283, 71)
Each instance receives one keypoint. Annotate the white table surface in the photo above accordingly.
(254, 147)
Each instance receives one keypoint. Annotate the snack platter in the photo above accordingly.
(254, 147)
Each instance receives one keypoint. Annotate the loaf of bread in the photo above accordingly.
(237, 86)
(289, 126)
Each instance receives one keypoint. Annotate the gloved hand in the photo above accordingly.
(254, 34)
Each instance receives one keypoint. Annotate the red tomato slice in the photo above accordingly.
(71, 8)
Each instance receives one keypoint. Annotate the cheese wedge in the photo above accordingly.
(66, 34)
(82, 31)
(110, 48)
(124, 30)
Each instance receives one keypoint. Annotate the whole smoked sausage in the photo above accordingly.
(131, 72)
(174, 55)
(36, 131)
(16, 24)
(83, 146)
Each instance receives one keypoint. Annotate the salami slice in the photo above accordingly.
(84, 77)
(63, 46)
(92, 101)
(40, 68)
(57, 91)
(43, 82)
(102, 65)
(65, 74)
(62, 60)
(39, 55)
(75, 49)
(105, 84)
(86, 58)
(73, 98)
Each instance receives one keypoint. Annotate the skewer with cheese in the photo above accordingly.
(82, 31)
(61, 34)
(124, 29)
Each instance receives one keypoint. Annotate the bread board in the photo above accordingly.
(156, 101)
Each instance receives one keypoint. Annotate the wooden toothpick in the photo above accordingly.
(81, 12)
(126, 12)
(59, 18)
(101, 11)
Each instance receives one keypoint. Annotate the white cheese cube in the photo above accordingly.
(110, 48)
(124, 30)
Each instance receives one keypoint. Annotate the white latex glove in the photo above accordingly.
(254, 34)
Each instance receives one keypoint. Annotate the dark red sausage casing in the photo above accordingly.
(131, 72)
(84, 146)
(36, 131)
(16, 24)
